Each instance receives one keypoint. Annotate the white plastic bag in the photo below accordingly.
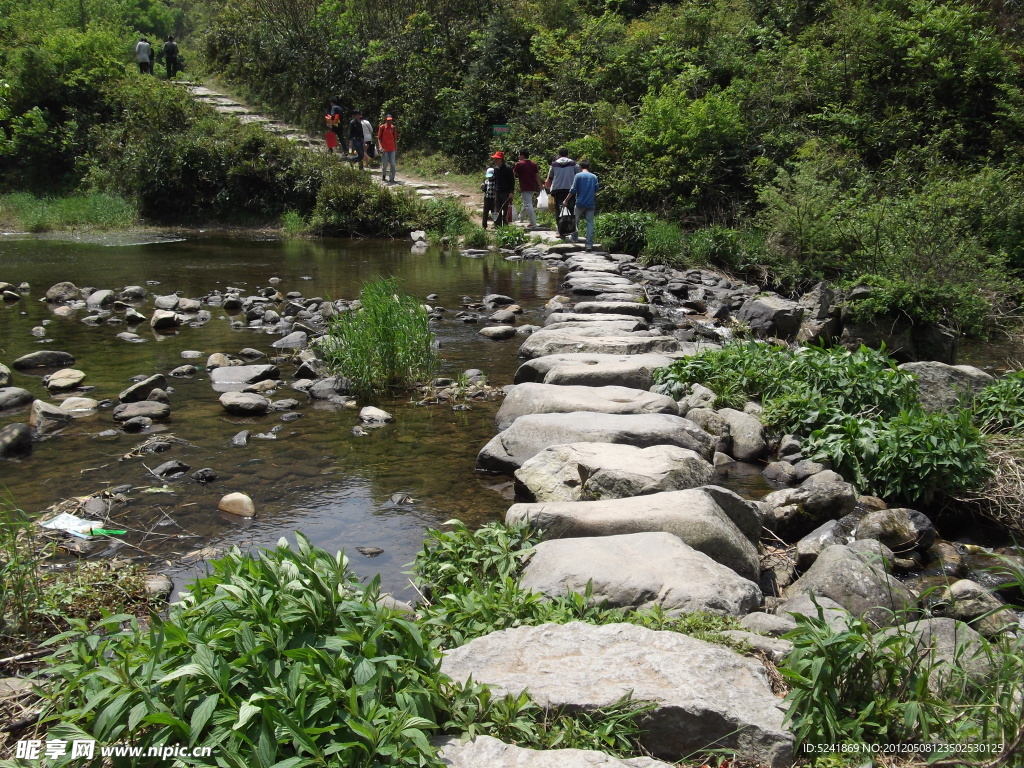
(542, 199)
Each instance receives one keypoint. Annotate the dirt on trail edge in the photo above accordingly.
(226, 104)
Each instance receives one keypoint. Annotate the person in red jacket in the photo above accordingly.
(387, 143)
(528, 174)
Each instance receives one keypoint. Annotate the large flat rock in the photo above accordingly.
(640, 570)
(488, 752)
(574, 319)
(529, 435)
(711, 520)
(593, 471)
(633, 371)
(596, 340)
(636, 308)
(525, 399)
(707, 696)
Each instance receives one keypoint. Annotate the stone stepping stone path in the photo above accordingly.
(525, 399)
(710, 519)
(224, 104)
(486, 751)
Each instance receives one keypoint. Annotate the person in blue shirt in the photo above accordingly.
(584, 189)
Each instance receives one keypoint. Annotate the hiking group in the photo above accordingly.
(358, 140)
(570, 186)
(145, 56)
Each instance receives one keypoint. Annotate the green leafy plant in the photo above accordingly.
(475, 237)
(509, 236)
(282, 658)
(623, 231)
(999, 407)
(385, 345)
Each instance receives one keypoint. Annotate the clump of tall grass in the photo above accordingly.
(385, 345)
(20, 583)
(80, 211)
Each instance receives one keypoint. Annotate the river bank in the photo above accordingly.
(562, 309)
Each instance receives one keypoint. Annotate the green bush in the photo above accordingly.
(475, 236)
(663, 245)
(625, 232)
(509, 236)
(90, 211)
(855, 409)
(384, 345)
(999, 407)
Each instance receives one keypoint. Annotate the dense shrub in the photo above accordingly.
(856, 410)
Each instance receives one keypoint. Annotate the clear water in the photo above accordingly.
(316, 476)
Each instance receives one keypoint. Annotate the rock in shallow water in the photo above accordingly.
(237, 504)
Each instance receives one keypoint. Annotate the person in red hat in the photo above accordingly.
(504, 187)
(387, 142)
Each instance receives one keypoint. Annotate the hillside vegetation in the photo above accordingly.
(786, 141)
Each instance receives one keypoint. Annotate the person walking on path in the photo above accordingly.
(355, 136)
(583, 191)
(367, 140)
(171, 57)
(528, 173)
(333, 124)
(489, 195)
(387, 143)
(559, 181)
(504, 188)
(144, 56)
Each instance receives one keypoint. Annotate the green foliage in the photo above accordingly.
(472, 580)
(664, 244)
(284, 657)
(444, 218)
(625, 232)
(912, 457)
(20, 583)
(90, 211)
(385, 344)
(293, 223)
(856, 409)
(999, 407)
(509, 236)
(857, 685)
(475, 237)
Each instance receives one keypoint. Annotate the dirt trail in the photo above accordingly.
(227, 104)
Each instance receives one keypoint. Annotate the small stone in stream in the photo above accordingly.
(242, 438)
(402, 498)
(184, 370)
(433, 297)
(461, 407)
(370, 551)
(251, 354)
(159, 396)
(137, 424)
(265, 436)
(371, 415)
(204, 475)
(237, 504)
(191, 354)
(171, 470)
(159, 586)
(109, 433)
(359, 431)
(292, 416)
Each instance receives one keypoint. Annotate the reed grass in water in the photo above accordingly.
(385, 345)
(45, 214)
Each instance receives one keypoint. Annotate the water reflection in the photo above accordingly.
(315, 475)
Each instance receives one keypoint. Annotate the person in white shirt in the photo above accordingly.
(368, 151)
(144, 56)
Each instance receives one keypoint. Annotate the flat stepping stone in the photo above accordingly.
(631, 321)
(640, 570)
(555, 341)
(524, 399)
(44, 358)
(615, 308)
(712, 520)
(531, 434)
(150, 409)
(633, 371)
(707, 696)
(595, 471)
(492, 753)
